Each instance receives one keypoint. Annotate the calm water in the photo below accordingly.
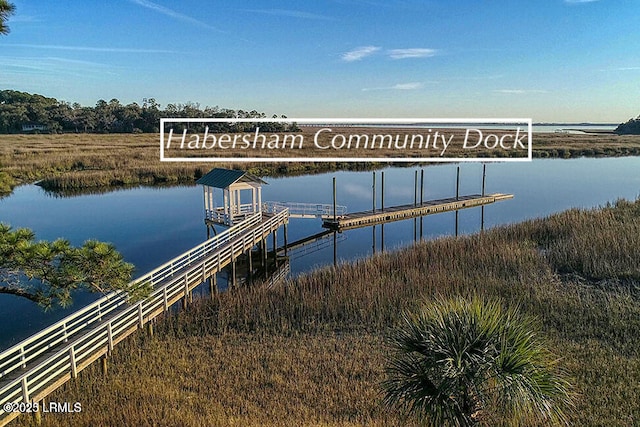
(150, 225)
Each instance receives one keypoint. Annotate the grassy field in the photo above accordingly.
(312, 351)
(76, 162)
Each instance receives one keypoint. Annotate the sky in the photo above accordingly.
(549, 60)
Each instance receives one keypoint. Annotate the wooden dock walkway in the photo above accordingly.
(35, 367)
(397, 213)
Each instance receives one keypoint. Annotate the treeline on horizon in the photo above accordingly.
(631, 127)
(22, 112)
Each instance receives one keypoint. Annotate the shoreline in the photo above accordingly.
(73, 162)
(313, 350)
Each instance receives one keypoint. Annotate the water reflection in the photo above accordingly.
(152, 225)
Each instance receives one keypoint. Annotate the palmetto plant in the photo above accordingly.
(465, 362)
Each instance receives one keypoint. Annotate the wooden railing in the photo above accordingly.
(33, 368)
(238, 214)
(304, 210)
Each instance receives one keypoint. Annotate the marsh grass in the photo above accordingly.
(311, 352)
(89, 161)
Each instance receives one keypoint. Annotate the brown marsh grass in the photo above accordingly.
(311, 352)
(86, 161)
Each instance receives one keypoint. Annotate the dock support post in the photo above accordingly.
(103, 364)
(213, 285)
(421, 199)
(233, 274)
(382, 196)
(150, 328)
(415, 202)
(264, 254)
(458, 184)
(457, 195)
(186, 294)
(484, 176)
(415, 188)
(285, 240)
(72, 362)
(421, 186)
(250, 258)
(37, 415)
(373, 196)
(382, 237)
(334, 199)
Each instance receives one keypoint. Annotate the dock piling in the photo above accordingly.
(415, 188)
(213, 285)
(458, 184)
(103, 364)
(421, 200)
(286, 238)
(484, 177)
(250, 260)
(373, 196)
(382, 193)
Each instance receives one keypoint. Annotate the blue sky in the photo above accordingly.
(550, 60)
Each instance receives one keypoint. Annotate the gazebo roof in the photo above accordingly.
(223, 178)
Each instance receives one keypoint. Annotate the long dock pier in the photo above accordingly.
(397, 213)
(35, 367)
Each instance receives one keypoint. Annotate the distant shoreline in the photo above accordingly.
(81, 162)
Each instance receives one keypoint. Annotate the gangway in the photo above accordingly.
(38, 365)
(305, 210)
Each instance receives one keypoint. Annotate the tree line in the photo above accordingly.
(24, 112)
(631, 127)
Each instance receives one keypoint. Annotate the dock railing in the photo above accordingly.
(305, 210)
(241, 213)
(33, 368)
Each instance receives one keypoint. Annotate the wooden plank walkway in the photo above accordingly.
(35, 367)
(397, 213)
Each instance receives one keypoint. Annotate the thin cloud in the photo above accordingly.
(52, 66)
(359, 53)
(173, 14)
(519, 91)
(487, 77)
(88, 48)
(411, 53)
(290, 13)
(580, 1)
(621, 69)
(399, 86)
(25, 18)
(407, 86)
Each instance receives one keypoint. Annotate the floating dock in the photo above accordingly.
(397, 213)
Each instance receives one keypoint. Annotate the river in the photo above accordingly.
(152, 225)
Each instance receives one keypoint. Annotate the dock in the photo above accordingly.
(397, 213)
(38, 365)
(35, 367)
